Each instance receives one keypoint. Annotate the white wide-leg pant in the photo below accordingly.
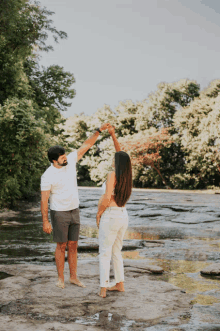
(112, 227)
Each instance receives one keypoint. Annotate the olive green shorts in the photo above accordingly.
(66, 225)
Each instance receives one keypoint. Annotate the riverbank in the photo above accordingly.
(32, 205)
(161, 190)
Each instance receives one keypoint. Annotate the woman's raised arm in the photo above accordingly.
(111, 130)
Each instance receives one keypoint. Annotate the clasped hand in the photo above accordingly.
(108, 126)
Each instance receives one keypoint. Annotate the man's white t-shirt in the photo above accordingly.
(62, 184)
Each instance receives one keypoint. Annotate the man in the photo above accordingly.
(59, 182)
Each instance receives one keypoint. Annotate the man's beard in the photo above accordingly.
(62, 164)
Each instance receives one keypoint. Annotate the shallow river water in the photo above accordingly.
(177, 218)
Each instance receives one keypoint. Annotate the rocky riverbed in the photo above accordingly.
(172, 268)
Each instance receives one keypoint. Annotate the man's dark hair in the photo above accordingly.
(123, 171)
(54, 152)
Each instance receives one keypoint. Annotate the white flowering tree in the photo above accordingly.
(199, 132)
(194, 126)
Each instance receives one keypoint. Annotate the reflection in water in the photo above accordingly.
(191, 284)
(204, 300)
(181, 266)
(131, 234)
(126, 255)
(92, 232)
(89, 232)
(131, 255)
(216, 246)
(87, 255)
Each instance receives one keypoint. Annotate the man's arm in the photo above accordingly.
(44, 211)
(90, 142)
(111, 130)
(87, 145)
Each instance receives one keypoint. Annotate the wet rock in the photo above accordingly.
(211, 270)
(10, 223)
(141, 266)
(195, 256)
(21, 323)
(89, 245)
(150, 215)
(152, 243)
(180, 209)
(92, 245)
(13, 288)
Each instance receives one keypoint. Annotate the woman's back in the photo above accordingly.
(112, 201)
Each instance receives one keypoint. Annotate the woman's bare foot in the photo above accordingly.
(102, 292)
(77, 282)
(118, 287)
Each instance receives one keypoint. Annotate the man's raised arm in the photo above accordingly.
(90, 142)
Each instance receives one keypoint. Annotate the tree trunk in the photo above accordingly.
(159, 173)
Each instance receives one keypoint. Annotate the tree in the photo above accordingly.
(31, 99)
(23, 28)
(126, 118)
(159, 108)
(199, 132)
(145, 150)
(24, 146)
(50, 87)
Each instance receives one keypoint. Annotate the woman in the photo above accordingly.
(114, 219)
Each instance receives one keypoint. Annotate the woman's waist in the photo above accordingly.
(112, 203)
(115, 209)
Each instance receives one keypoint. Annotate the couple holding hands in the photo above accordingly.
(59, 183)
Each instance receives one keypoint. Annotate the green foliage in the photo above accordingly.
(159, 108)
(23, 28)
(24, 148)
(31, 98)
(50, 87)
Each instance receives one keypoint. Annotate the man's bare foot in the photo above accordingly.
(118, 287)
(60, 283)
(102, 292)
(77, 282)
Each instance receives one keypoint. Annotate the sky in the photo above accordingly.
(120, 50)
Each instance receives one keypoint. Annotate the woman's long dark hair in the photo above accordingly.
(123, 173)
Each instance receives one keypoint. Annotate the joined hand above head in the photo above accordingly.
(105, 126)
(111, 130)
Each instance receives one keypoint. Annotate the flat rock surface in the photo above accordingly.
(213, 270)
(30, 298)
